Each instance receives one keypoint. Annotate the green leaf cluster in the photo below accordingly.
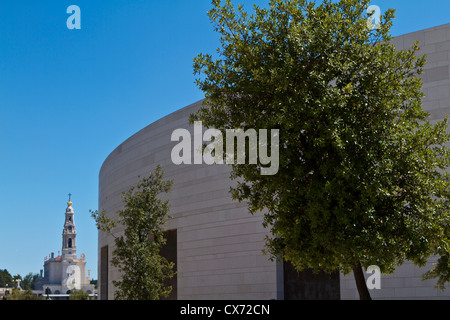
(78, 295)
(6, 279)
(23, 295)
(362, 174)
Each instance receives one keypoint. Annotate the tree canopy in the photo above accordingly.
(6, 279)
(362, 178)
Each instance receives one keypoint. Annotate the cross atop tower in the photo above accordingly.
(69, 203)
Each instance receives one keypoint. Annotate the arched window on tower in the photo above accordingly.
(69, 243)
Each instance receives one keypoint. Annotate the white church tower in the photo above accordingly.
(72, 267)
(69, 248)
(66, 272)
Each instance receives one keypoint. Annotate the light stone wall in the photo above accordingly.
(219, 243)
(405, 284)
(53, 272)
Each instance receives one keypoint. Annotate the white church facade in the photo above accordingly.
(66, 272)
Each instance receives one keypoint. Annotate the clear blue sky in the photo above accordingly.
(69, 97)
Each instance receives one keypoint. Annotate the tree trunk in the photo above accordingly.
(361, 282)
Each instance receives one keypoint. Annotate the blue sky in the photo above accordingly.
(69, 97)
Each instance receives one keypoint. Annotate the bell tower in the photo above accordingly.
(69, 247)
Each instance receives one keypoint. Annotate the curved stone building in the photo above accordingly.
(216, 244)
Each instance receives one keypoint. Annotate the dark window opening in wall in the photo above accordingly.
(306, 285)
(169, 251)
(104, 273)
(70, 243)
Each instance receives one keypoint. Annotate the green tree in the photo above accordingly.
(137, 253)
(94, 282)
(28, 281)
(6, 279)
(23, 295)
(362, 177)
(78, 295)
